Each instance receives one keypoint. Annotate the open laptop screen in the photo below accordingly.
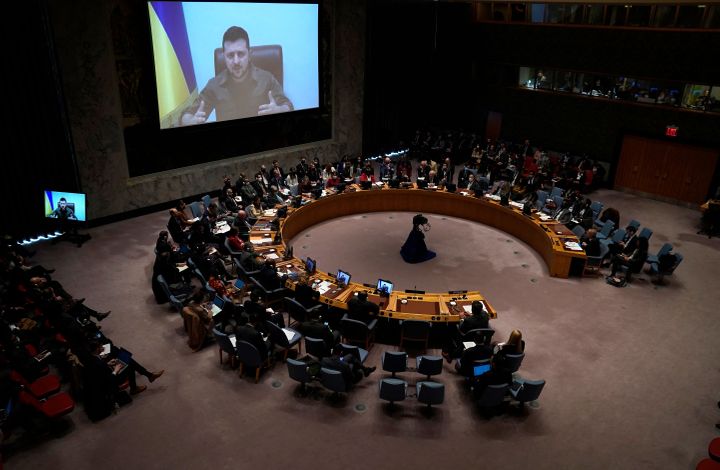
(481, 369)
(384, 287)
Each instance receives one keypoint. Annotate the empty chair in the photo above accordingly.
(596, 207)
(666, 248)
(225, 345)
(524, 390)
(270, 295)
(617, 237)
(298, 313)
(578, 230)
(660, 274)
(429, 365)
(248, 355)
(430, 393)
(316, 347)
(206, 200)
(359, 353)
(542, 197)
(284, 338)
(392, 390)
(53, 407)
(182, 296)
(354, 331)
(298, 371)
(512, 362)
(645, 233)
(634, 223)
(415, 330)
(394, 362)
(556, 191)
(606, 230)
(594, 262)
(333, 380)
(493, 396)
(241, 269)
(196, 209)
(40, 388)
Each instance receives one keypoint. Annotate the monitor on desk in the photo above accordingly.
(384, 287)
(342, 277)
(310, 265)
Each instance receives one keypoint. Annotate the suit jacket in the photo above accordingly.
(362, 310)
(252, 336)
(474, 322)
(315, 329)
(268, 278)
(306, 295)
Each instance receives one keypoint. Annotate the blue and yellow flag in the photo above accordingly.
(174, 71)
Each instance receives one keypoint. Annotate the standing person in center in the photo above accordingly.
(415, 250)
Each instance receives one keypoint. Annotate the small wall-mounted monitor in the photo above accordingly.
(65, 206)
(384, 287)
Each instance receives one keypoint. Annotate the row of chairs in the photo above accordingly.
(394, 389)
(44, 395)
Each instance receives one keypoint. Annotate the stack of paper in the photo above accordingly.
(261, 241)
(575, 246)
(323, 287)
(270, 212)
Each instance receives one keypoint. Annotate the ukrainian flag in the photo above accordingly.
(174, 71)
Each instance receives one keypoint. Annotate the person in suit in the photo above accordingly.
(361, 309)
(590, 243)
(348, 365)
(245, 330)
(304, 294)
(315, 328)
(634, 261)
(478, 319)
(268, 275)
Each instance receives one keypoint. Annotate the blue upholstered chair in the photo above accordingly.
(282, 340)
(359, 353)
(333, 380)
(492, 397)
(666, 248)
(430, 393)
(394, 362)
(316, 347)
(524, 390)
(298, 371)
(248, 355)
(355, 331)
(225, 345)
(392, 390)
(429, 365)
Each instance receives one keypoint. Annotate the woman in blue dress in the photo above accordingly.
(414, 250)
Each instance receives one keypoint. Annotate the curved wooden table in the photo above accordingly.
(547, 238)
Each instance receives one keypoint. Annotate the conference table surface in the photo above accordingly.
(553, 241)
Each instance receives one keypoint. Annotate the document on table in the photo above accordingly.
(323, 287)
(261, 241)
(574, 246)
(545, 217)
(270, 212)
(271, 256)
(467, 308)
(516, 204)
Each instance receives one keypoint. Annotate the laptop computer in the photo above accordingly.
(217, 305)
(480, 369)
(342, 277)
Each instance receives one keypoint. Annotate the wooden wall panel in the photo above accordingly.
(668, 169)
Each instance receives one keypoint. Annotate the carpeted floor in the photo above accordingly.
(632, 373)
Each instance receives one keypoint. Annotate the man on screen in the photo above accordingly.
(62, 211)
(241, 90)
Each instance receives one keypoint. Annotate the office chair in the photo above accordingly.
(524, 391)
(430, 393)
(392, 390)
(269, 58)
(248, 355)
(394, 362)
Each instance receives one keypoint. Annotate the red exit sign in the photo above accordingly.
(671, 131)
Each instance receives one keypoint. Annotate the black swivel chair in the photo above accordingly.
(268, 58)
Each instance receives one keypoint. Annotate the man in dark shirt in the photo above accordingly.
(241, 90)
(315, 328)
(361, 309)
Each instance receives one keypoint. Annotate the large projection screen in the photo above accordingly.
(202, 79)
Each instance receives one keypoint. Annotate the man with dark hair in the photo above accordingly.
(361, 309)
(241, 90)
(63, 211)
